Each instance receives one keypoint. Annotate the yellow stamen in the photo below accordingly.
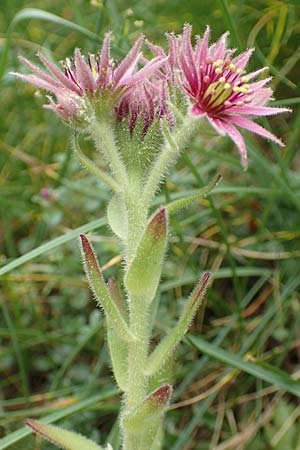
(227, 86)
(239, 71)
(232, 67)
(218, 70)
(244, 79)
(218, 63)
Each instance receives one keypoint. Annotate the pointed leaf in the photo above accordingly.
(186, 201)
(169, 343)
(98, 287)
(151, 409)
(65, 439)
(145, 270)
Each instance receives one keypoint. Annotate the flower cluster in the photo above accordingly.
(214, 83)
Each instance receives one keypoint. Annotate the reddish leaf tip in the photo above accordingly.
(158, 225)
(162, 395)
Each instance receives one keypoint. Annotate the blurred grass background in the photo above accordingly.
(234, 387)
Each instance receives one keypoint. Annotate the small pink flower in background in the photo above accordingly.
(97, 75)
(220, 89)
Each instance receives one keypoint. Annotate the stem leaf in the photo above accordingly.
(169, 343)
(102, 295)
(144, 271)
(117, 216)
(63, 438)
(186, 201)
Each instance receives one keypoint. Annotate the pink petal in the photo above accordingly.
(257, 110)
(237, 138)
(128, 64)
(40, 73)
(69, 84)
(216, 125)
(146, 71)
(197, 111)
(155, 49)
(259, 84)
(187, 60)
(254, 128)
(256, 73)
(221, 47)
(38, 82)
(84, 73)
(242, 60)
(173, 50)
(203, 53)
(103, 78)
(262, 97)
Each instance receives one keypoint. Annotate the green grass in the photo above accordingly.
(235, 373)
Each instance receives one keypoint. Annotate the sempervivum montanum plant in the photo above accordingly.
(141, 114)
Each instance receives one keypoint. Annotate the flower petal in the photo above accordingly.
(256, 110)
(69, 84)
(103, 77)
(129, 63)
(84, 73)
(38, 82)
(40, 73)
(254, 128)
(242, 60)
(236, 136)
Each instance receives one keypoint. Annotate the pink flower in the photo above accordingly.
(89, 79)
(220, 89)
(147, 102)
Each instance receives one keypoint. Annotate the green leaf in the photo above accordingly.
(81, 405)
(99, 288)
(199, 195)
(168, 344)
(144, 272)
(118, 348)
(265, 372)
(117, 216)
(150, 409)
(63, 438)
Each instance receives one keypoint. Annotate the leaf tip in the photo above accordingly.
(158, 225)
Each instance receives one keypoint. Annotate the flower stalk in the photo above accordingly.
(140, 120)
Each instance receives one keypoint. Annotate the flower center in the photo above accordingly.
(222, 85)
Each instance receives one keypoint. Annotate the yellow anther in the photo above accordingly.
(236, 89)
(239, 71)
(227, 86)
(244, 90)
(218, 63)
(244, 79)
(232, 67)
(218, 70)
(222, 80)
(246, 86)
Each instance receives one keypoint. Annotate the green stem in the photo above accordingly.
(90, 165)
(103, 137)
